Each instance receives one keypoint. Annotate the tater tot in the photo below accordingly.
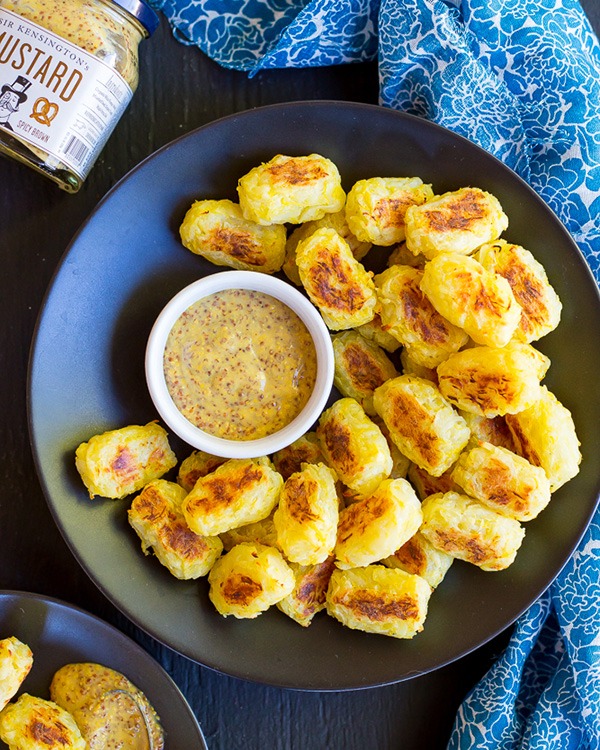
(335, 221)
(455, 222)
(425, 484)
(197, 464)
(410, 317)
(492, 430)
(375, 207)
(421, 422)
(156, 517)
(377, 525)
(375, 331)
(353, 446)
(400, 462)
(410, 367)
(240, 491)
(464, 528)
(119, 462)
(261, 532)
(489, 381)
(248, 579)
(479, 301)
(360, 367)
(291, 189)
(335, 281)
(379, 600)
(218, 231)
(306, 518)
(305, 450)
(419, 557)
(545, 435)
(16, 660)
(503, 481)
(310, 591)
(33, 723)
(402, 256)
(540, 304)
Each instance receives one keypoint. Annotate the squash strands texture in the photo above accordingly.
(16, 661)
(291, 189)
(25, 723)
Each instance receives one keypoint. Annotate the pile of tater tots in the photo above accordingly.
(443, 442)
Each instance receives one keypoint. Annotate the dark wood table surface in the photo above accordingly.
(181, 89)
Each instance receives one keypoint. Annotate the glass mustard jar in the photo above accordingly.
(68, 70)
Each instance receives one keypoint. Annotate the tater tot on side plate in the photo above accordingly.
(249, 579)
(16, 660)
(240, 491)
(306, 518)
(36, 724)
(377, 525)
(379, 600)
(360, 367)
(335, 281)
(455, 222)
(119, 462)
(503, 481)
(540, 304)
(407, 313)
(218, 231)
(291, 189)
(156, 517)
(353, 446)
(375, 207)
(464, 528)
(421, 422)
(491, 381)
(479, 301)
(545, 435)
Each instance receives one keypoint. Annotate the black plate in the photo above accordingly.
(60, 634)
(87, 375)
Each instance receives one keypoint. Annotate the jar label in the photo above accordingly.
(55, 96)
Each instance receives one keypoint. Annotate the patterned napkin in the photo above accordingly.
(522, 79)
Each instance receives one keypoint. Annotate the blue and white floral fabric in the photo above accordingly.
(522, 79)
(257, 34)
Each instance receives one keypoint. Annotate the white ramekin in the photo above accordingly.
(253, 281)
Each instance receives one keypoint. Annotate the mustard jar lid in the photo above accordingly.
(143, 12)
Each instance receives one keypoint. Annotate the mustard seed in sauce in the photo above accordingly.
(240, 364)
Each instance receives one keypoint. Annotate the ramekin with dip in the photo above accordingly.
(239, 364)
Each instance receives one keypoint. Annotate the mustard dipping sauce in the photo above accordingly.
(240, 364)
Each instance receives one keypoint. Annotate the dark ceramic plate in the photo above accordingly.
(87, 376)
(60, 634)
